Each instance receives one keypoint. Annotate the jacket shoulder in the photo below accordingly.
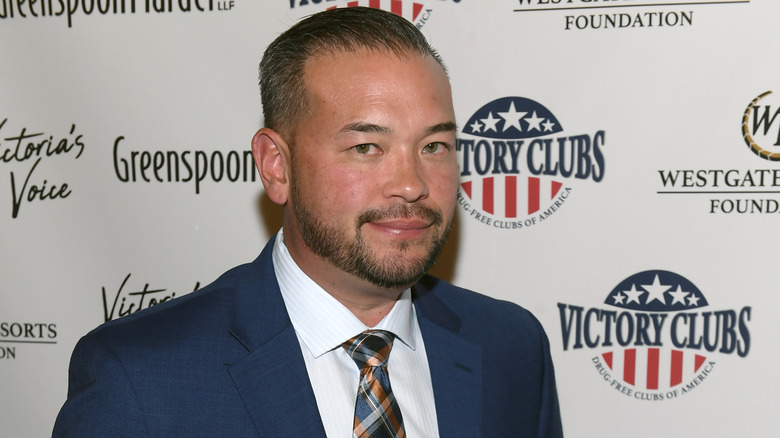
(205, 304)
(469, 305)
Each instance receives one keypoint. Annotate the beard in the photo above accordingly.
(354, 255)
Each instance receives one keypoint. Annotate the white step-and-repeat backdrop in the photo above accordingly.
(619, 168)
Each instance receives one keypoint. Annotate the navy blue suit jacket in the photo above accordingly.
(224, 361)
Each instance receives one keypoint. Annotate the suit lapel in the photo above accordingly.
(272, 377)
(455, 364)
(274, 385)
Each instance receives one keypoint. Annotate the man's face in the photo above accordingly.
(374, 172)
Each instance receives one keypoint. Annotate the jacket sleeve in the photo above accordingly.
(550, 415)
(101, 400)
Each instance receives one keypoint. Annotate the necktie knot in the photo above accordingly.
(370, 348)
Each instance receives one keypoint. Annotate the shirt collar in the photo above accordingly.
(321, 321)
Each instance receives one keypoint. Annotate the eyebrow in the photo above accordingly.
(374, 128)
(442, 127)
(365, 127)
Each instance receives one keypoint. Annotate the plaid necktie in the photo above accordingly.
(377, 414)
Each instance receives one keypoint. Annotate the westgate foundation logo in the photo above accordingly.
(757, 126)
(415, 11)
(82, 9)
(620, 14)
(736, 191)
(654, 337)
(517, 163)
(23, 149)
(15, 335)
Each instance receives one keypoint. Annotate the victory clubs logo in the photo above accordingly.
(655, 340)
(413, 11)
(517, 163)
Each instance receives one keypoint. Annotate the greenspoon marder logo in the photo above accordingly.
(738, 190)
(19, 9)
(177, 165)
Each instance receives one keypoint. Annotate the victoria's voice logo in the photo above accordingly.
(414, 11)
(132, 298)
(517, 163)
(23, 150)
(654, 338)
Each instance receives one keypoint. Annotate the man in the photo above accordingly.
(359, 149)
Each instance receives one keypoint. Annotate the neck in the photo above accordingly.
(370, 315)
(368, 302)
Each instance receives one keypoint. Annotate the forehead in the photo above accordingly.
(364, 79)
(342, 60)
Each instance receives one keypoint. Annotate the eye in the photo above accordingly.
(435, 147)
(365, 149)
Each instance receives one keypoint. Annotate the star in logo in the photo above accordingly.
(476, 126)
(534, 122)
(633, 295)
(618, 298)
(656, 291)
(490, 122)
(693, 300)
(512, 118)
(548, 126)
(678, 296)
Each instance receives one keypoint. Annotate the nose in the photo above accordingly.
(405, 179)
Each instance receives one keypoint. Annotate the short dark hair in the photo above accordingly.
(337, 30)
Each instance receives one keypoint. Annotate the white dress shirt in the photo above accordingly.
(323, 324)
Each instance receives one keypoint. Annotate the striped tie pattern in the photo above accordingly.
(377, 414)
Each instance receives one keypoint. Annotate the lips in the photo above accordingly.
(402, 217)
(400, 226)
(405, 221)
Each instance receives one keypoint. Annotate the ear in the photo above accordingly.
(272, 158)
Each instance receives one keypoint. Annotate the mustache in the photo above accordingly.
(401, 211)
